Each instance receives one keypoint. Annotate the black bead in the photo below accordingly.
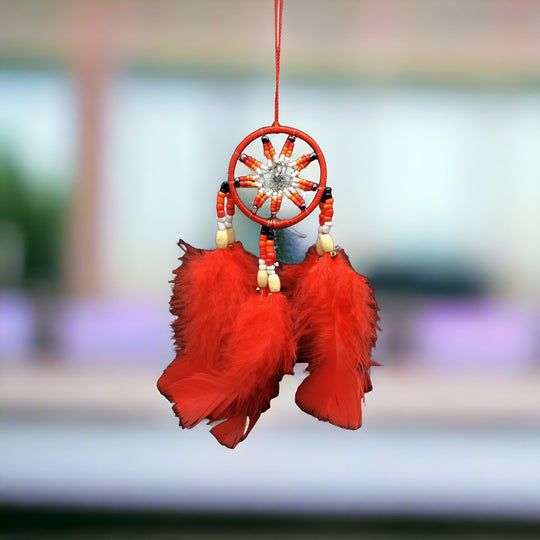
(327, 194)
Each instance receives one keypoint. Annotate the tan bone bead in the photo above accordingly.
(274, 283)
(262, 278)
(222, 239)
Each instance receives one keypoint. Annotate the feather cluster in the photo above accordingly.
(335, 317)
(234, 345)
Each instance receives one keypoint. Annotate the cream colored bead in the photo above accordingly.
(222, 239)
(274, 283)
(325, 244)
(318, 246)
(262, 278)
(230, 235)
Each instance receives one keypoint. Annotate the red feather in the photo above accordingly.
(292, 274)
(258, 351)
(335, 317)
(208, 287)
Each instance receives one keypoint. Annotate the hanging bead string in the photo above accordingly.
(225, 213)
(325, 242)
(266, 276)
(278, 14)
(229, 208)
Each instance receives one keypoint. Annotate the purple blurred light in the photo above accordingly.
(17, 323)
(474, 333)
(118, 330)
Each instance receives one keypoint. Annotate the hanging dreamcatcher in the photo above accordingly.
(241, 324)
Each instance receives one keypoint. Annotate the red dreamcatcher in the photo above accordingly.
(240, 326)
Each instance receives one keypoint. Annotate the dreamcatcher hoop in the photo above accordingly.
(293, 166)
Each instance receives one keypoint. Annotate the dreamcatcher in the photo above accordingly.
(242, 322)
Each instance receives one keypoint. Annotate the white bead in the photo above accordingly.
(274, 283)
(325, 229)
(262, 278)
(222, 219)
(222, 239)
(318, 247)
(327, 243)
(270, 270)
(221, 226)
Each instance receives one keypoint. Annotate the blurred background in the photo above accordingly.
(117, 123)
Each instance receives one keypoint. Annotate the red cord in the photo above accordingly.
(278, 14)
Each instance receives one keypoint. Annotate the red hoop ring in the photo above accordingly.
(269, 222)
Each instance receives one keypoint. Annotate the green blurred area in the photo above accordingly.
(31, 224)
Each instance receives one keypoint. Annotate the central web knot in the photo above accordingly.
(278, 177)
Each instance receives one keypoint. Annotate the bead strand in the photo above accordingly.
(225, 212)
(303, 161)
(247, 181)
(295, 197)
(262, 274)
(266, 276)
(251, 162)
(306, 185)
(274, 283)
(325, 242)
(230, 209)
(288, 147)
(275, 204)
(268, 149)
(260, 199)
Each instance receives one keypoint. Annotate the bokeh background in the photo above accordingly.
(117, 122)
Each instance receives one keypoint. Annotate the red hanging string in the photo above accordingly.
(278, 13)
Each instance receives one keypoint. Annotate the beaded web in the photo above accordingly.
(277, 176)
